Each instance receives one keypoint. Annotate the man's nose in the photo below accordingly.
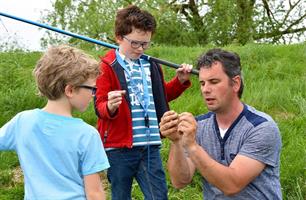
(206, 88)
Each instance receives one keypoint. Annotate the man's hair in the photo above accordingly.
(133, 17)
(230, 63)
(61, 66)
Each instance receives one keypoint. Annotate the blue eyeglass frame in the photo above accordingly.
(92, 88)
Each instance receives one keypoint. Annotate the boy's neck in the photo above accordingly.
(58, 107)
(125, 57)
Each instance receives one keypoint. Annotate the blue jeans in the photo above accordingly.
(125, 164)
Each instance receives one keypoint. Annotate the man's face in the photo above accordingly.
(217, 88)
(133, 44)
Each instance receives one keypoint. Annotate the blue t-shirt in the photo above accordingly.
(253, 134)
(55, 153)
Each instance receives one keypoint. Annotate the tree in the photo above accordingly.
(92, 18)
(245, 29)
(282, 21)
(243, 21)
(190, 22)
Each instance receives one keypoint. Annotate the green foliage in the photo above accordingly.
(14, 193)
(186, 23)
(275, 82)
(16, 82)
(221, 21)
(93, 18)
(8, 188)
(167, 32)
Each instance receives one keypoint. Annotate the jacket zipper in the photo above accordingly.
(106, 133)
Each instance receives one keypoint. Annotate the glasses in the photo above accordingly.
(93, 89)
(136, 44)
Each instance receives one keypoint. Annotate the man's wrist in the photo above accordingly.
(192, 148)
(176, 141)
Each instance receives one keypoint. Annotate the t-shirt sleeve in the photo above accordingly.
(7, 134)
(263, 144)
(94, 158)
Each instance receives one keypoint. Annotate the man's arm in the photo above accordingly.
(93, 187)
(181, 169)
(229, 179)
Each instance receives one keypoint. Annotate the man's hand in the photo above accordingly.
(169, 124)
(188, 127)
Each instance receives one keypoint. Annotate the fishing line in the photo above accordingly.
(3, 25)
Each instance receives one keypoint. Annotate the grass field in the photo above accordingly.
(275, 82)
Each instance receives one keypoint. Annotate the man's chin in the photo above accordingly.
(211, 108)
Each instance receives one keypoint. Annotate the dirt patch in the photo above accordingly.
(17, 175)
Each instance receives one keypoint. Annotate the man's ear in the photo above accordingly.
(236, 83)
(69, 90)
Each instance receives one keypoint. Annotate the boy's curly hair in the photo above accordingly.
(133, 17)
(61, 66)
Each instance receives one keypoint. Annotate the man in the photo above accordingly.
(234, 147)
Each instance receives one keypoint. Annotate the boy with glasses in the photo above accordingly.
(60, 155)
(132, 95)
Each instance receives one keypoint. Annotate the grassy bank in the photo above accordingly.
(275, 82)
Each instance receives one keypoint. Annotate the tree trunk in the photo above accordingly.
(244, 31)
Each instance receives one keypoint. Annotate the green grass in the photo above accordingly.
(275, 82)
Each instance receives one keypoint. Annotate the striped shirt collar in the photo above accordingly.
(128, 60)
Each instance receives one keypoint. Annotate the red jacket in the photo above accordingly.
(117, 131)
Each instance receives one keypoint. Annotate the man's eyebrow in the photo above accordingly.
(211, 79)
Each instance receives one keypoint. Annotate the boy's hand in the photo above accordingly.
(114, 100)
(183, 73)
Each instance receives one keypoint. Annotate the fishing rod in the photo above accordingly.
(112, 46)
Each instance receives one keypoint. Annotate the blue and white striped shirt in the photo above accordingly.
(141, 136)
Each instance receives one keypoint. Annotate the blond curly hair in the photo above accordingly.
(61, 66)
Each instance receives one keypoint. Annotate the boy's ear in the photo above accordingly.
(69, 90)
(119, 38)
